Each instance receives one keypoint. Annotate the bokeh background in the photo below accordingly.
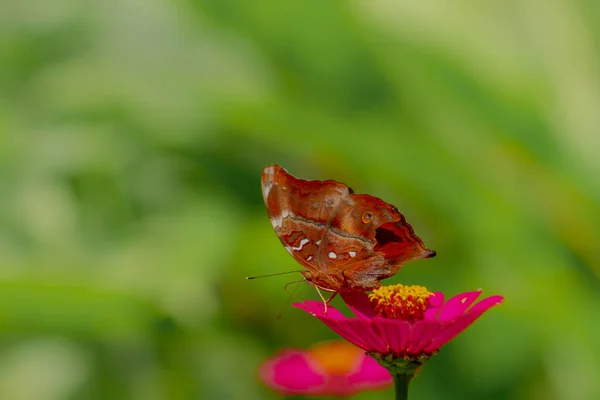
(133, 133)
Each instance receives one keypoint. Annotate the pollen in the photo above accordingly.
(400, 302)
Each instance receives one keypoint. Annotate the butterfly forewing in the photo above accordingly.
(300, 211)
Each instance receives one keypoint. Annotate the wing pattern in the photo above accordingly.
(346, 241)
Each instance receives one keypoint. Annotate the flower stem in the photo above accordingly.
(401, 369)
(401, 381)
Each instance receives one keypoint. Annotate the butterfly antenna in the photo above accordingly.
(269, 275)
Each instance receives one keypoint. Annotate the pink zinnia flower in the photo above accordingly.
(402, 326)
(328, 369)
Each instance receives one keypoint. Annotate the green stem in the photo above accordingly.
(401, 381)
(401, 369)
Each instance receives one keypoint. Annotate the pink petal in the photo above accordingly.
(457, 305)
(395, 334)
(346, 386)
(423, 333)
(451, 331)
(436, 302)
(291, 373)
(331, 319)
(359, 303)
(316, 308)
(349, 334)
(358, 331)
(338, 386)
(370, 375)
(463, 322)
(486, 304)
(373, 342)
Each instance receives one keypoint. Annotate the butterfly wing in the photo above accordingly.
(346, 241)
(367, 240)
(300, 212)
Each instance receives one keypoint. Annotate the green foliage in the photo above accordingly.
(132, 136)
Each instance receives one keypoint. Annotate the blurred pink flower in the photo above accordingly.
(402, 321)
(334, 368)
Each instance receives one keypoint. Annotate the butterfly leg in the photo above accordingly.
(331, 297)
(325, 302)
(292, 296)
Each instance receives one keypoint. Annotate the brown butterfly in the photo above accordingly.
(346, 241)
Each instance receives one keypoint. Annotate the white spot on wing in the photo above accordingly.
(266, 189)
(352, 254)
(301, 245)
(318, 242)
(277, 220)
(270, 173)
(332, 255)
(309, 258)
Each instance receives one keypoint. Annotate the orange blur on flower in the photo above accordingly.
(336, 357)
(335, 368)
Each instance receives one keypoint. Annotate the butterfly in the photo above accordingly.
(345, 241)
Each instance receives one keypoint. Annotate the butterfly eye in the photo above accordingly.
(367, 217)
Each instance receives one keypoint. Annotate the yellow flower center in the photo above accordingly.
(400, 301)
(337, 357)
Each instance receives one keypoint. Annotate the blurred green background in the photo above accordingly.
(133, 134)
